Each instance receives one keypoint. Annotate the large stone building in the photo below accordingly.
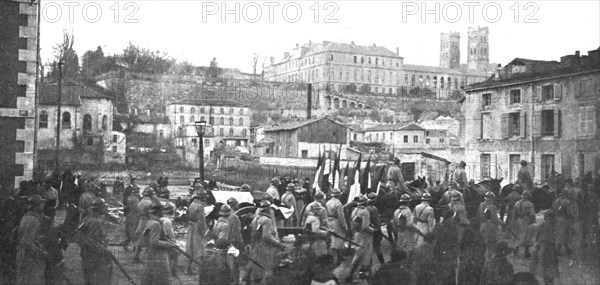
(450, 50)
(86, 124)
(545, 111)
(478, 49)
(18, 54)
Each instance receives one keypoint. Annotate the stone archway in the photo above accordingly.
(328, 102)
(344, 104)
(336, 103)
(352, 105)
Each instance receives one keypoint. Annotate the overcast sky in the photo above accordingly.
(543, 30)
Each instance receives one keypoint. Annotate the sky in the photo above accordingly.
(198, 31)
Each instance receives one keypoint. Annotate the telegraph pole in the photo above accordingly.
(57, 156)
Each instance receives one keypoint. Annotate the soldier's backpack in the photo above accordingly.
(357, 224)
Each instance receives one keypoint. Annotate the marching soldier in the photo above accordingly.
(30, 257)
(545, 262)
(460, 213)
(524, 214)
(196, 236)
(363, 235)
(156, 269)
(403, 221)
(565, 215)
(265, 244)
(460, 176)
(86, 200)
(490, 222)
(318, 237)
(452, 190)
(143, 209)
(337, 222)
(375, 223)
(235, 238)
(511, 200)
(319, 199)
(424, 219)
(288, 200)
(132, 216)
(131, 188)
(95, 261)
(221, 230)
(167, 223)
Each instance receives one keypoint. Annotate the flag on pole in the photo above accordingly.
(343, 178)
(378, 178)
(365, 183)
(354, 184)
(318, 172)
(336, 169)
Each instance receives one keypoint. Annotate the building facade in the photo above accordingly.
(18, 64)
(544, 112)
(450, 50)
(478, 56)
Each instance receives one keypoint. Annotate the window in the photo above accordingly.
(514, 164)
(486, 126)
(66, 120)
(304, 151)
(587, 120)
(441, 140)
(415, 139)
(221, 132)
(383, 136)
(547, 92)
(547, 166)
(485, 165)
(181, 119)
(241, 121)
(211, 120)
(427, 141)
(362, 59)
(161, 134)
(114, 148)
(369, 60)
(354, 135)
(192, 110)
(181, 110)
(377, 137)
(202, 110)
(241, 112)
(222, 121)
(426, 133)
(547, 122)
(212, 111)
(115, 138)
(206, 142)
(244, 133)
(87, 122)
(406, 139)
(376, 61)
(515, 96)
(514, 128)
(355, 59)
(192, 119)
(231, 111)
(231, 121)
(43, 119)
(90, 141)
(222, 111)
(194, 141)
(267, 150)
(486, 99)
(413, 80)
(231, 132)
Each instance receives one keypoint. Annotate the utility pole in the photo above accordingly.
(531, 132)
(57, 155)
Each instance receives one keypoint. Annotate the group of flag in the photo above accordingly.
(355, 180)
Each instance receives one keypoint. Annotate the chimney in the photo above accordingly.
(577, 53)
(374, 45)
(272, 60)
(498, 71)
(397, 51)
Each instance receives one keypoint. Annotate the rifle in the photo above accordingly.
(182, 252)
(331, 232)
(509, 231)
(379, 232)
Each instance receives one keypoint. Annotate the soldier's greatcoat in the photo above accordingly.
(132, 216)
(142, 208)
(363, 235)
(545, 262)
(489, 228)
(524, 179)
(318, 238)
(524, 214)
(395, 178)
(288, 200)
(337, 221)
(156, 270)
(30, 262)
(265, 245)
(196, 240)
(424, 220)
(403, 219)
(565, 215)
(96, 262)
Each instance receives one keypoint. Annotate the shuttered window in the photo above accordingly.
(587, 120)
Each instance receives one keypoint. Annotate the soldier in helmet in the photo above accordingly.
(460, 212)
(403, 221)
(337, 222)
(452, 190)
(524, 177)
(524, 215)
(132, 216)
(196, 236)
(273, 191)
(30, 257)
(376, 224)
(318, 237)
(265, 244)
(363, 235)
(235, 236)
(511, 200)
(143, 209)
(424, 219)
(96, 262)
(490, 222)
(320, 199)
(86, 200)
(157, 268)
(545, 262)
(289, 201)
(564, 210)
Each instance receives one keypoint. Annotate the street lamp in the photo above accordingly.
(201, 129)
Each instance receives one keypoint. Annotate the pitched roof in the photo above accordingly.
(359, 49)
(49, 96)
(394, 127)
(298, 124)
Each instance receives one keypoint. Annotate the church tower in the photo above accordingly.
(450, 50)
(478, 49)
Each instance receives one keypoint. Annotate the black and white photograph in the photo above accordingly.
(299, 142)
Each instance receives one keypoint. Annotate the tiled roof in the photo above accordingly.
(437, 69)
(295, 125)
(49, 96)
(358, 49)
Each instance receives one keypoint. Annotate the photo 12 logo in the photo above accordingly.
(454, 12)
(90, 12)
(253, 12)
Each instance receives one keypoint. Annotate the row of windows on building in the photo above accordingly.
(66, 121)
(231, 133)
(377, 78)
(211, 111)
(192, 120)
(358, 59)
(481, 51)
(547, 93)
(405, 138)
(547, 165)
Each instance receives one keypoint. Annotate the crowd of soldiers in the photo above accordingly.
(426, 249)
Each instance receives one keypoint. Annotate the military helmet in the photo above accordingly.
(453, 184)
(319, 195)
(404, 198)
(246, 188)
(455, 195)
(372, 196)
(275, 180)
(156, 208)
(362, 200)
(425, 197)
(290, 187)
(232, 201)
(336, 192)
(225, 210)
(264, 204)
(527, 195)
(148, 192)
(490, 195)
